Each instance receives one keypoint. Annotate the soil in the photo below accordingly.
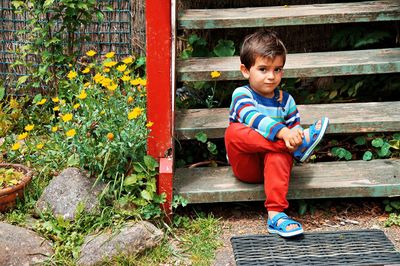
(321, 215)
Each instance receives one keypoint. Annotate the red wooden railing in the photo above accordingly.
(160, 86)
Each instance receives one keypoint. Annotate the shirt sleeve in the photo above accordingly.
(293, 116)
(243, 110)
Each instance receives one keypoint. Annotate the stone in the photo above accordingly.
(20, 246)
(132, 239)
(67, 190)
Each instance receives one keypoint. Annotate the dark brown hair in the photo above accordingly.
(264, 43)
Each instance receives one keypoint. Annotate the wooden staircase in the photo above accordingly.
(376, 178)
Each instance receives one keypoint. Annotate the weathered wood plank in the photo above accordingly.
(344, 118)
(319, 64)
(288, 15)
(376, 178)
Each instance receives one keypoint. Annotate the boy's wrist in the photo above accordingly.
(282, 133)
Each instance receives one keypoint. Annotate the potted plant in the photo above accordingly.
(13, 179)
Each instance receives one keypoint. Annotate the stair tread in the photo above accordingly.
(343, 117)
(376, 178)
(318, 64)
(367, 11)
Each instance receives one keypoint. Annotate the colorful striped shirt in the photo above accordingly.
(265, 115)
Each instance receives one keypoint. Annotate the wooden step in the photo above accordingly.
(321, 64)
(288, 15)
(376, 178)
(344, 118)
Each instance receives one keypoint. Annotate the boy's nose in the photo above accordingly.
(270, 75)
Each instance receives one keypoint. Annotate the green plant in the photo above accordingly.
(394, 219)
(9, 177)
(52, 38)
(392, 205)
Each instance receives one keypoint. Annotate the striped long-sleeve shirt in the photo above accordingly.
(266, 115)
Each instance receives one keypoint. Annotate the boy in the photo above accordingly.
(264, 134)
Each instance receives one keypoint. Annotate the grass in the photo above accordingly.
(192, 242)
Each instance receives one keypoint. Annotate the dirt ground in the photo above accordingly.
(321, 215)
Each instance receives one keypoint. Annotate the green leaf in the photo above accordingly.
(224, 48)
(396, 136)
(73, 160)
(395, 204)
(150, 162)
(395, 144)
(388, 208)
(361, 140)
(333, 94)
(138, 167)
(146, 195)
(48, 3)
(22, 79)
(348, 156)
(202, 137)
(130, 180)
(212, 148)
(2, 92)
(367, 156)
(378, 142)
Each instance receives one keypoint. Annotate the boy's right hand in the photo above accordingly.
(293, 138)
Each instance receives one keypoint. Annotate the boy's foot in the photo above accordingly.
(279, 223)
(312, 136)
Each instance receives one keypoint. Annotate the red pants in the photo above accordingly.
(254, 159)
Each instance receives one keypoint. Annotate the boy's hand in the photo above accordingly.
(293, 138)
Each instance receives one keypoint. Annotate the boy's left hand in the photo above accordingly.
(295, 138)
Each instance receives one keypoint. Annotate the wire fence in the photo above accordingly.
(114, 33)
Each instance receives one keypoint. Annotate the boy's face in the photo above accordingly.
(265, 75)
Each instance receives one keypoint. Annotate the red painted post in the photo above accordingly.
(160, 108)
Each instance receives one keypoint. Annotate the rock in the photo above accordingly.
(132, 239)
(20, 246)
(64, 193)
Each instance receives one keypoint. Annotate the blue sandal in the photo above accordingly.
(274, 228)
(305, 150)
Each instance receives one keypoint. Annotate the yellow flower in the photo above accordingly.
(110, 136)
(14, 104)
(54, 129)
(16, 146)
(112, 87)
(125, 78)
(130, 99)
(91, 53)
(69, 65)
(102, 112)
(67, 117)
(29, 127)
(143, 82)
(126, 73)
(110, 63)
(70, 133)
(76, 106)
(86, 70)
(149, 124)
(121, 68)
(82, 95)
(72, 74)
(215, 74)
(106, 82)
(135, 82)
(110, 55)
(41, 102)
(55, 100)
(134, 113)
(87, 84)
(39, 146)
(62, 102)
(128, 60)
(98, 78)
(56, 108)
(22, 136)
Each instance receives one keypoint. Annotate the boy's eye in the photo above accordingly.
(278, 70)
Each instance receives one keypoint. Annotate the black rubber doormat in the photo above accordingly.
(366, 247)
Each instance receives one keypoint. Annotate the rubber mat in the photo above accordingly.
(366, 247)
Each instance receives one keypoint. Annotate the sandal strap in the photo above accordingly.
(277, 217)
(287, 222)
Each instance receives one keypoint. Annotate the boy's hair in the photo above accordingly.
(264, 43)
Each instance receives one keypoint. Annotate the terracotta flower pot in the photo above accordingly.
(9, 195)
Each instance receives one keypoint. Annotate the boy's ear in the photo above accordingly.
(245, 71)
